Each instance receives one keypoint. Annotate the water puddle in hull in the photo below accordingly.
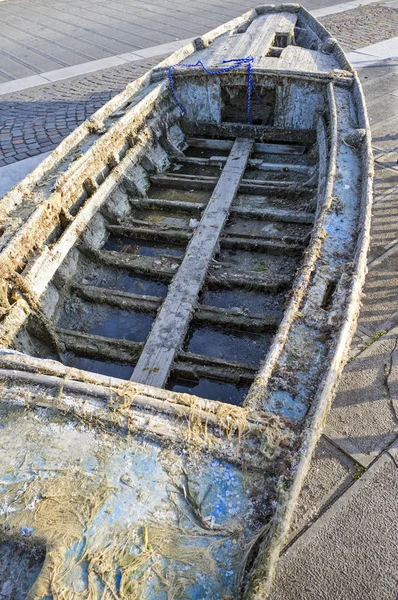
(105, 320)
(103, 367)
(234, 346)
(211, 389)
(20, 566)
(256, 303)
(139, 247)
(121, 279)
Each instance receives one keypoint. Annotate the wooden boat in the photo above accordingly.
(178, 294)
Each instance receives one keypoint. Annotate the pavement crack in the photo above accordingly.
(395, 463)
(387, 373)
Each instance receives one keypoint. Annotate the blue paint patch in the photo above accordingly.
(283, 403)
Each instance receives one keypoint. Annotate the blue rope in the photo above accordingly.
(237, 62)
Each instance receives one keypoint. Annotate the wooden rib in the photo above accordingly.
(260, 132)
(137, 302)
(267, 214)
(204, 313)
(211, 144)
(171, 235)
(273, 214)
(256, 244)
(100, 347)
(196, 366)
(252, 281)
(140, 265)
(171, 325)
(207, 182)
(257, 163)
(160, 204)
(235, 319)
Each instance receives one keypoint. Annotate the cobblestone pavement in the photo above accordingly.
(363, 26)
(36, 120)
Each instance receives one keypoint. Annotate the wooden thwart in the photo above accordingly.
(209, 144)
(170, 327)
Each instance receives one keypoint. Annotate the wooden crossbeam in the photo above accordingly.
(99, 347)
(260, 132)
(266, 214)
(256, 163)
(205, 314)
(210, 144)
(171, 325)
(150, 266)
(161, 204)
(172, 235)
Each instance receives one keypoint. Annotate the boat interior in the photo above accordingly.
(104, 299)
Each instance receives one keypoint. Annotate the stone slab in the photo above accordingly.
(331, 473)
(384, 222)
(351, 552)
(363, 419)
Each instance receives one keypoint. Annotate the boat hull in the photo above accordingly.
(181, 282)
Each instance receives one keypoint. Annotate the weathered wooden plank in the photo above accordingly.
(137, 302)
(204, 314)
(211, 144)
(257, 39)
(97, 346)
(259, 132)
(236, 242)
(170, 327)
(251, 281)
(171, 235)
(141, 265)
(196, 366)
(258, 163)
(207, 182)
(236, 320)
(273, 214)
(160, 204)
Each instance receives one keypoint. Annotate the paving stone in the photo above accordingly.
(385, 135)
(384, 222)
(377, 87)
(351, 552)
(380, 307)
(363, 419)
(331, 473)
(381, 111)
(388, 159)
(385, 179)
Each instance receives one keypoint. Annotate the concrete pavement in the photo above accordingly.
(343, 543)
